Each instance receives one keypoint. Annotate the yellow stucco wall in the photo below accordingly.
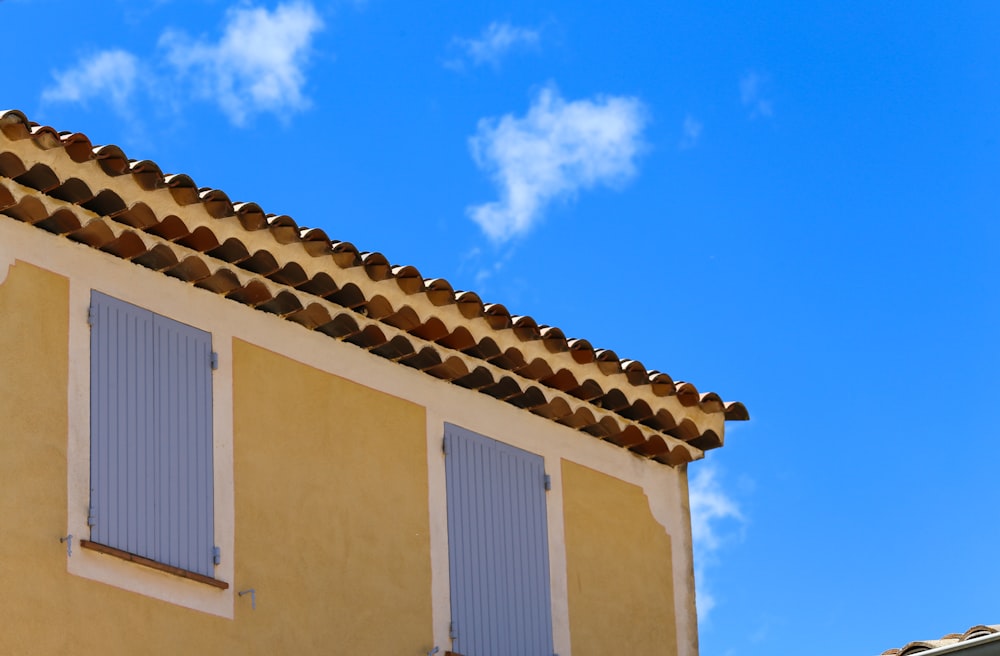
(331, 511)
(343, 468)
(619, 562)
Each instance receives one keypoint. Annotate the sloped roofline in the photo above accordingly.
(62, 183)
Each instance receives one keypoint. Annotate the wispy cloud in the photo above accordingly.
(496, 41)
(690, 132)
(752, 95)
(715, 518)
(555, 150)
(258, 65)
(110, 75)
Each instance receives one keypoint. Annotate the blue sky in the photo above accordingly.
(792, 204)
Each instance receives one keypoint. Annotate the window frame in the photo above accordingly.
(151, 485)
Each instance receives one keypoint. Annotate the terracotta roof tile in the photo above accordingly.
(919, 646)
(95, 195)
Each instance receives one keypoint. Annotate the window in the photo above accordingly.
(497, 547)
(151, 472)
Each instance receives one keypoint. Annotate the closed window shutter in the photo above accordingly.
(151, 436)
(498, 547)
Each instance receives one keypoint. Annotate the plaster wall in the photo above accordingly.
(321, 550)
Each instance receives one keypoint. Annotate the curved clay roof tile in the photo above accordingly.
(628, 437)
(190, 269)
(94, 234)
(710, 402)
(128, 245)
(262, 263)
(232, 250)
(980, 631)
(554, 339)
(431, 330)
(171, 228)
(341, 326)
(653, 447)
(14, 124)
(45, 137)
(60, 222)
(251, 216)
(39, 177)
(635, 372)
(216, 202)
(105, 203)
(158, 258)
(687, 393)
(349, 296)
(707, 440)
(439, 291)
(11, 165)
(311, 316)
(608, 361)
(369, 337)
(345, 254)
(525, 328)
(736, 411)
(112, 159)
(408, 278)
(661, 383)
(469, 304)
(139, 216)
(223, 281)
(292, 274)
(405, 318)
(77, 146)
(554, 409)
(182, 188)
(376, 266)
(73, 190)
(281, 304)
(562, 380)
(497, 316)
(283, 228)
(29, 210)
(146, 173)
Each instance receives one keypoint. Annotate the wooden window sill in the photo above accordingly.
(169, 569)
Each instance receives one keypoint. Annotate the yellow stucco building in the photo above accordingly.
(225, 434)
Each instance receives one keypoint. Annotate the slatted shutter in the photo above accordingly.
(497, 547)
(151, 436)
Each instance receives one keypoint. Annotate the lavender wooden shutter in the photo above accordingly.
(498, 547)
(151, 435)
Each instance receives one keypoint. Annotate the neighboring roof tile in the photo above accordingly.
(95, 195)
(919, 646)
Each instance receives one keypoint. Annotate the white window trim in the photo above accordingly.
(188, 305)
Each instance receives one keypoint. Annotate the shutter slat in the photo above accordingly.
(151, 435)
(498, 547)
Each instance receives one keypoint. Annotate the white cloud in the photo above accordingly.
(555, 150)
(258, 63)
(110, 75)
(691, 132)
(496, 41)
(713, 518)
(752, 95)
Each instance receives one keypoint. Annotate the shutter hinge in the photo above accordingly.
(91, 315)
(444, 445)
(214, 360)
(548, 482)
(216, 555)
(91, 519)
(452, 630)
